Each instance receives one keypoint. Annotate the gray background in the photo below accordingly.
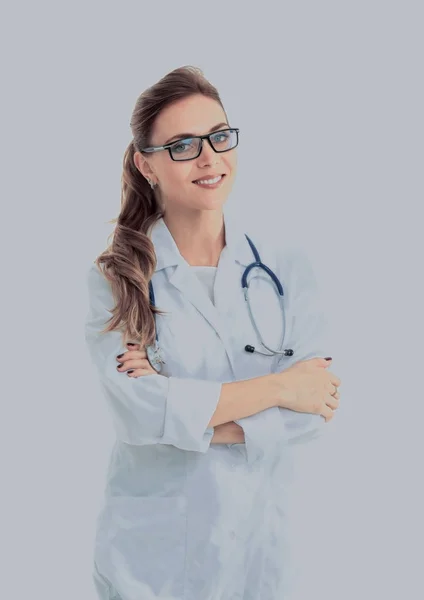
(328, 97)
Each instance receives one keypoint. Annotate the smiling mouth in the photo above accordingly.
(214, 180)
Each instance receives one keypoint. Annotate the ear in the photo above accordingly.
(143, 165)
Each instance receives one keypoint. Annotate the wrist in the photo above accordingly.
(274, 382)
(282, 389)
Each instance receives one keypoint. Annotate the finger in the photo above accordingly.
(134, 364)
(326, 411)
(333, 402)
(334, 393)
(334, 379)
(131, 354)
(329, 388)
(321, 362)
(315, 362)
(133, 346)
(141, 372)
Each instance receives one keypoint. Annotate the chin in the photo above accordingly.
(213, 202)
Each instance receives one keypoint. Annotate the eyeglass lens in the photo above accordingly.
(189, 147)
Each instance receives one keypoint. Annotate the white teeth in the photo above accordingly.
(209, 181)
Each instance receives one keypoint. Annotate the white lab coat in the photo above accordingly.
(182, 518)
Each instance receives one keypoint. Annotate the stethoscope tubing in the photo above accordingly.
(154, 352)
(260, 265)
(273, 352)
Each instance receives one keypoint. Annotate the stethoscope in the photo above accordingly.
(154, 352)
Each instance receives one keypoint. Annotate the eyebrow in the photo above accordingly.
(186, 135)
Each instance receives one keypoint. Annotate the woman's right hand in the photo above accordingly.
(308, 387)
(228, 433)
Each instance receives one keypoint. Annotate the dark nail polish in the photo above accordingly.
(130, 371)
(120, 365)
(328, 358)
(119, 355)
(130, 344)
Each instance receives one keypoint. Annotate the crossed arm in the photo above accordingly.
(166, 409)
(135, 364)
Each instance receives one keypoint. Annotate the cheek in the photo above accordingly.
(177, 178)
(231, 167)
(231, 164)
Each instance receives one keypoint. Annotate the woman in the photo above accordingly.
(194, 498)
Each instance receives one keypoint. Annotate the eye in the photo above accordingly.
(220, 136)
(179, 147)
(182, 146)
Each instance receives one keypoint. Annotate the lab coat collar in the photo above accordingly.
(168, 254)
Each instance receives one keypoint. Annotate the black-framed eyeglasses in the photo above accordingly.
(190, 148)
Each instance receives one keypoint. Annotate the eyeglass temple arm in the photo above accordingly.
(155, 148)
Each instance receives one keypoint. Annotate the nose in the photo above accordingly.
(208, 155)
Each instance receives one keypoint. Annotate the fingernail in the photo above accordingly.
(119, 355)
(130, 344)
(328, 358)
(130, 371)
(120, 365)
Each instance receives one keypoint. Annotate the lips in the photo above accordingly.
(206, 177)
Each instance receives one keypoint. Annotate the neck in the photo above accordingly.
(200, 236)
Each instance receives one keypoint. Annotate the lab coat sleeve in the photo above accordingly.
(309, 339)
(152, 409)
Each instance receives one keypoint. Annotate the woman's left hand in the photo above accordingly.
(135, 362)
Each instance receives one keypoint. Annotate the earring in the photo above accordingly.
(152, 185)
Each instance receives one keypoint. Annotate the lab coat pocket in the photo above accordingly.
(140, 545)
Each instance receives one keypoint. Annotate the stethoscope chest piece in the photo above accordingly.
(155, 356)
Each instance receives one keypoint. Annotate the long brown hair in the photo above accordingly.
(130, 261)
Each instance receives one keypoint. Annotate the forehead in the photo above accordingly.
(195, 114)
